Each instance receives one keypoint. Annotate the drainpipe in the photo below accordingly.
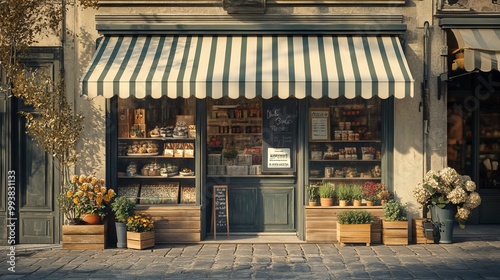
(424, 103)
(63, 39)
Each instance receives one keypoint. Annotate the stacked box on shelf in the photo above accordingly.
(236, 170)
(215, 166)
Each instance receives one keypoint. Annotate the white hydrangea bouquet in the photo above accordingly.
(440, 188)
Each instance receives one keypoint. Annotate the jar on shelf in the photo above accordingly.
(132, 169)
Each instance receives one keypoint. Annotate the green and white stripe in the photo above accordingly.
(481, 48)
(249, 66)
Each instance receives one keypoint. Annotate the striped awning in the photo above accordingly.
(249, 66)
(481, 48)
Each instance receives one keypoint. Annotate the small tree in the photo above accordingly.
(53, 124)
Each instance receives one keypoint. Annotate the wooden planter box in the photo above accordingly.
(84, 237)
(140, 240)
(418, 232)
(395, 233)
(354, 233)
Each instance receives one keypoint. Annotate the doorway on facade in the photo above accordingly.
(473, 141)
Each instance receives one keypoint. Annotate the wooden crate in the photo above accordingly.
(418, 232)
(395, 233)
(321, 223)
(84, 237)
(354, 233)
(140, 240)
(177, 224)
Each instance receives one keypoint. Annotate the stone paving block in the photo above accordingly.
(399, 274)
(296, 259)
(301, 267)
(261, 259)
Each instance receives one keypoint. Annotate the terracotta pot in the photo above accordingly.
(313, 203)
(342, 203)
(356, 203)
(369, 203)
(90, 219)
(326, 201)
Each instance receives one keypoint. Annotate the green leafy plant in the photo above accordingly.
(231, 153)
(394, 211)
(326, 190)
(356, 192)
(343, 192)
(313, 193)
(354, 217)
(123, 208)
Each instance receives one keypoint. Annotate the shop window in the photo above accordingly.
(234, 135)
(345, 141)
(156, 150)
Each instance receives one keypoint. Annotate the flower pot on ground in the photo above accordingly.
(357, 195)
(394, 224)
(447, 189)
(122, 208)
(344, 194)
(313, 195)
(140, 231)
(326, 193)
(140, 240)
(354, 226)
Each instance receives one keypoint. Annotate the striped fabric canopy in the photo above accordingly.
(248, 66)
(481, 48)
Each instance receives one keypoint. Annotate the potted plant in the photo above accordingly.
(140, 231)
(90, 202)
(326, 193)
(394, 224)
(344, 194)
(229, 155)
(356, 195)
(122, 207)
(449, 196)
(91, 198)
(370, 192)
(313, 195)
(384, 196)
(354, 226)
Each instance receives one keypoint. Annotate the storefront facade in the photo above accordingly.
(253, 91)
(358, 64)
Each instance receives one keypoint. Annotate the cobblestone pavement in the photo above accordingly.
(469, 258)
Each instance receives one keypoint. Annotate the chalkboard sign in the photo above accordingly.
(279, 131)
(220, 211)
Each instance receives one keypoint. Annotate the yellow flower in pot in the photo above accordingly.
(140, 231)
(90, 197)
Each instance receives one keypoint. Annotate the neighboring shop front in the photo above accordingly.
(473, 99)
(181, 97)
